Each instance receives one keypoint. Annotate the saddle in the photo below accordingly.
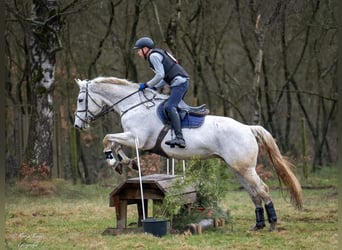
(191, 117)
(196, 111)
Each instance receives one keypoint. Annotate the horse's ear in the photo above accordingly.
(79, 82)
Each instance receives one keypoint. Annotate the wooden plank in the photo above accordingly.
(116, 189)
(121, 215)
(131, 194)
(151, 178)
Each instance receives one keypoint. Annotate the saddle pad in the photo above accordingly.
(189, 121)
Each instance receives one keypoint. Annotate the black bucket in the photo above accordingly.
(157, 227)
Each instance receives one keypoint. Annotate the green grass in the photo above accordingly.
(75, 216)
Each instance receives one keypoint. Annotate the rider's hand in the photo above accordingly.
(142, 86)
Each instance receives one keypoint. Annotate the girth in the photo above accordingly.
(157, 149)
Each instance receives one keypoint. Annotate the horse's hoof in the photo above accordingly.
(134, 165)
(256, 228)
(273, 227)
(118, 168)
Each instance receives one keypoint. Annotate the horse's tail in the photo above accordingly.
(281, 164)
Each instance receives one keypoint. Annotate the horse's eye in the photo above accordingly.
(80, 100)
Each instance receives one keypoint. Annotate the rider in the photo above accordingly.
(167, 70)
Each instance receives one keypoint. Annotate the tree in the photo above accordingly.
(45, 25)
(217, 43)
(41, 42)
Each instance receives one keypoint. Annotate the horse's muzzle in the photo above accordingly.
(78, 127)
(82, 126)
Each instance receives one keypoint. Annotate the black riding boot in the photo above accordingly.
(176, 124)
(260, 219)
(271, 215)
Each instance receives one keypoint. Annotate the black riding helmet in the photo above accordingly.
(144, 42)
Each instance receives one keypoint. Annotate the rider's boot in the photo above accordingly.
(176, 124)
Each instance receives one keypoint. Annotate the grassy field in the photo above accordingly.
(74, 217)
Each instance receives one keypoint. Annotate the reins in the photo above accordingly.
(141, 103)
(111, 107)
(105, 111)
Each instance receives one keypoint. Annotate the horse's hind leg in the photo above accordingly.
(124, 159)
(259, 194)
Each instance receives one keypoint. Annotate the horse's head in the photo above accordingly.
(88, 106)
(104, 94)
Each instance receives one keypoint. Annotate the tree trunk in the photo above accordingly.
(44, 44)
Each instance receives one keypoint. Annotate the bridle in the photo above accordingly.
(90, 117)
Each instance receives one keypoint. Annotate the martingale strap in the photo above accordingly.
(157, 147)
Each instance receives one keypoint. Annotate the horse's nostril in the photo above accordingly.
(76, 126)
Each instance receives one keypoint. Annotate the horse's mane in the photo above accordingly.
(112, 80)
(120, 81)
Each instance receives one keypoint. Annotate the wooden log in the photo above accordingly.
(198, 228)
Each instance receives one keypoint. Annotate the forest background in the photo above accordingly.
(272, 63)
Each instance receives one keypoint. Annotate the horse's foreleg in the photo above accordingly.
(111, 142)
(123, 158)
(126, 138)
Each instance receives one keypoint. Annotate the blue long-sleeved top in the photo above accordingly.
(158, 80)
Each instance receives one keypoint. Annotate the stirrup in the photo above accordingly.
(175, 142)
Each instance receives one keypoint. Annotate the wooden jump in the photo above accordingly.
(155, 187)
